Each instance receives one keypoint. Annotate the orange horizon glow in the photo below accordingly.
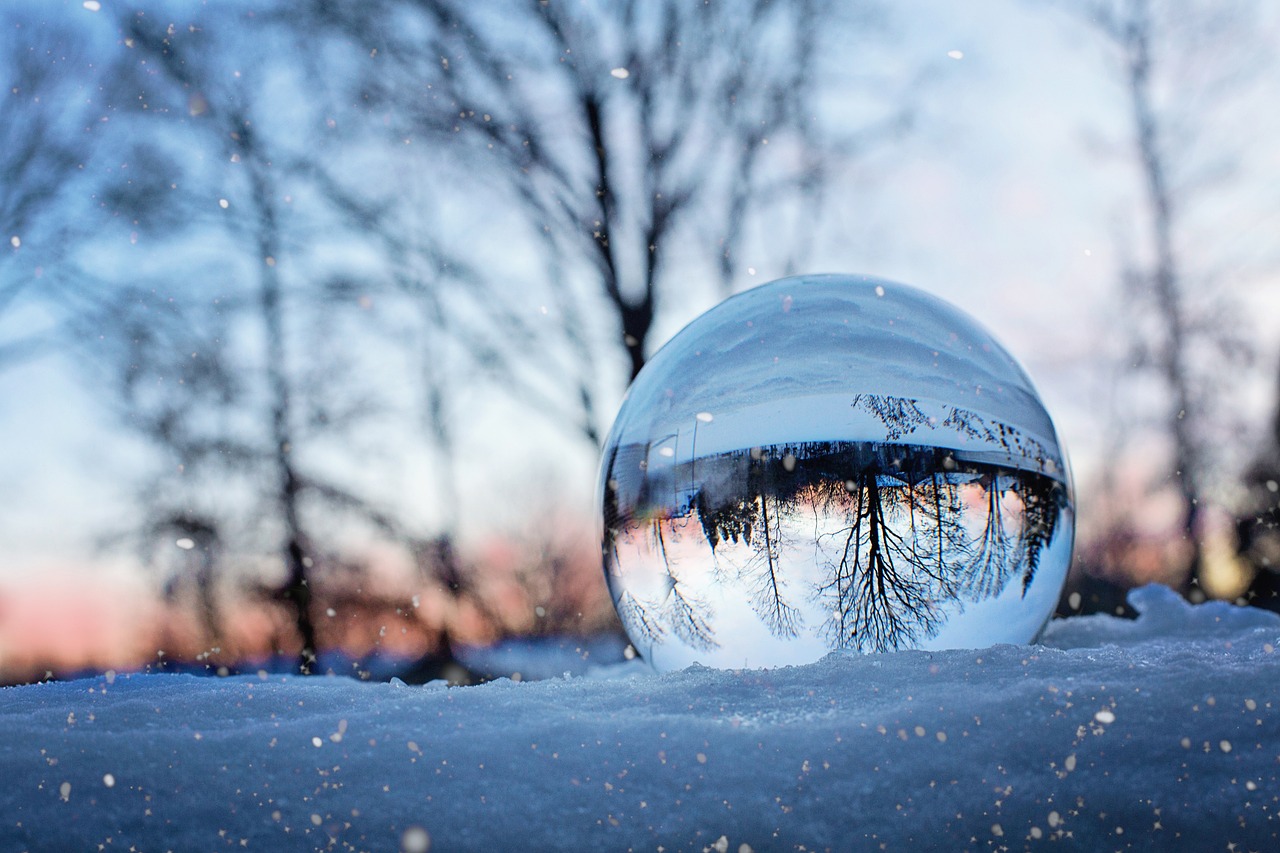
(50, 628)
(66, 619)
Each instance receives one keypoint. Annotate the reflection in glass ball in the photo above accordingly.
(832, 462)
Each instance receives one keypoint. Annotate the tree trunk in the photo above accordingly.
(296, 589)
(1165, 280)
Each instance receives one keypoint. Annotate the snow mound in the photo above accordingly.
(1160, 732)
(1164, 617)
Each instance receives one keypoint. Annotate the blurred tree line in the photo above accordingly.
(1192, 76)
(290, 243)
(256, 219)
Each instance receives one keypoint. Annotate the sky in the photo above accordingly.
(1011, 198)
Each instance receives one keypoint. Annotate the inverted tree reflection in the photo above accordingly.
(884, 583)
(869, 545)
(669, 604)
(756, 522)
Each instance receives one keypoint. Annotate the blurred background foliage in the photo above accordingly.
(314, 314)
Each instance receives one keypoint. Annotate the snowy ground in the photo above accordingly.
(1163, 732)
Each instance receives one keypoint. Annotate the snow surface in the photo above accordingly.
(1164, 732)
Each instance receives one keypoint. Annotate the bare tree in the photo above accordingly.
(74, 183)
(630, 140)
(245, 369)
(227, 113)
(1183, 66)
(233, 367)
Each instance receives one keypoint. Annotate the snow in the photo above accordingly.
(1110, 735)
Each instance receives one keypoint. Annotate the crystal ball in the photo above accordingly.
(832, 462)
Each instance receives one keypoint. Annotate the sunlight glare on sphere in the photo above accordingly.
(832, 462)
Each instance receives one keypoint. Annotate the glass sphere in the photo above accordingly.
(832, 462)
